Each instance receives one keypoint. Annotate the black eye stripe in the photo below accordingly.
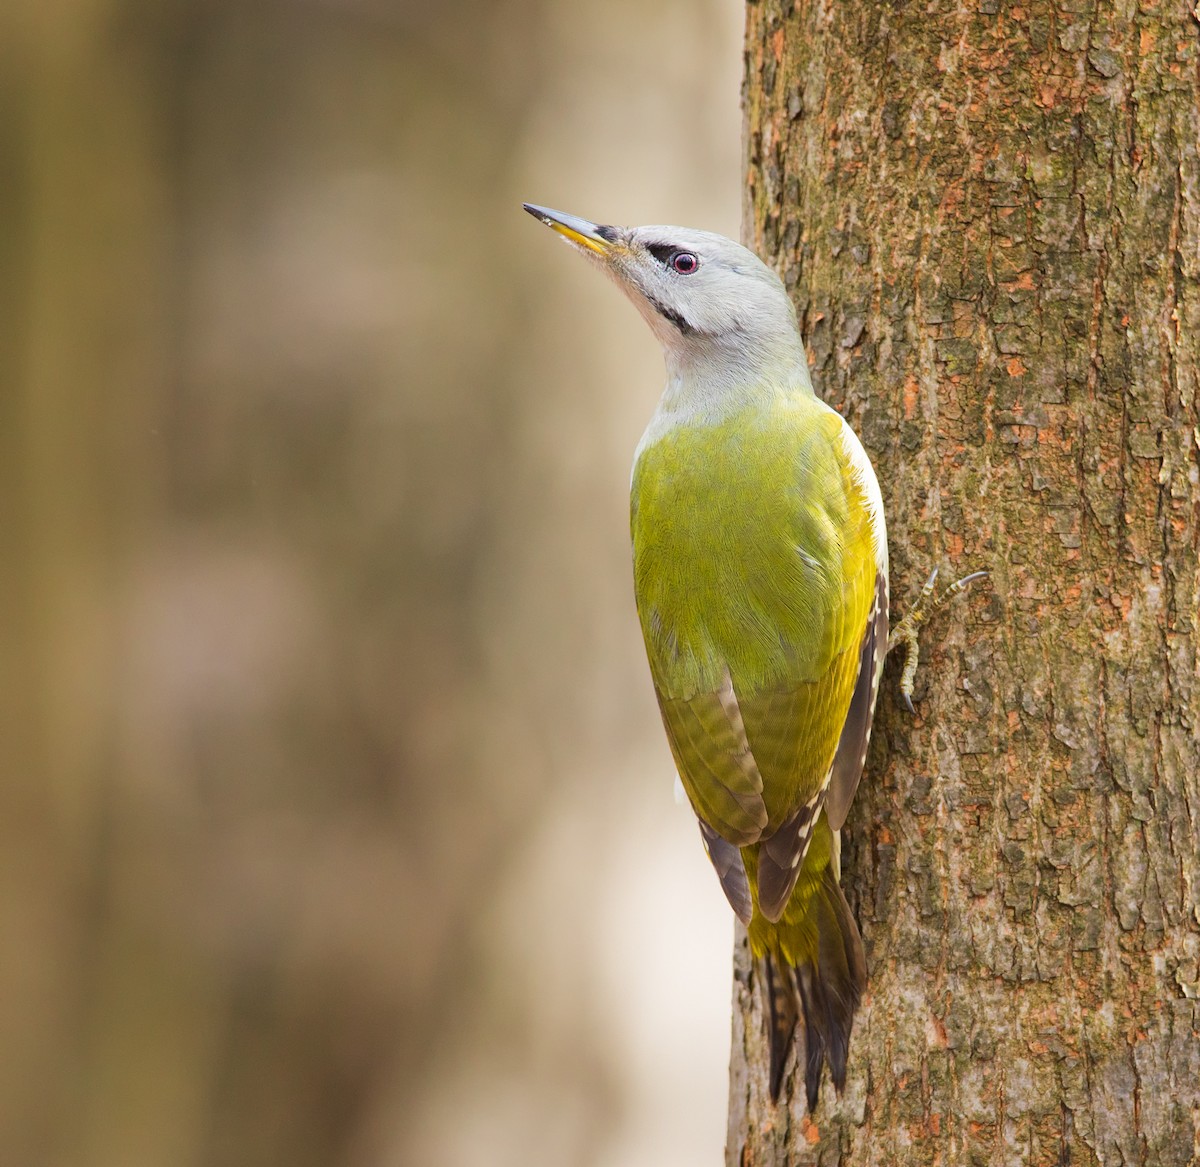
(674, 257)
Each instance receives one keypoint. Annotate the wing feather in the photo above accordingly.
(716, 765)
(851, 753)
(731, 871)
(780, 857)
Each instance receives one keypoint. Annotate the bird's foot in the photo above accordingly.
(905, 632)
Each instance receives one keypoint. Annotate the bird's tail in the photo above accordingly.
(814, 974)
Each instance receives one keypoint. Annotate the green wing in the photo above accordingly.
(755, 574)
(716, 762)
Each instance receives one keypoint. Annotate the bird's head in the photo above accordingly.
(710, 301)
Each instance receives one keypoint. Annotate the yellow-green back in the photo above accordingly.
(754, 557)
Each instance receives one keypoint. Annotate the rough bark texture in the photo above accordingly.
(989, 217)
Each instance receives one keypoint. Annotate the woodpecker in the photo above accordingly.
(760, 568)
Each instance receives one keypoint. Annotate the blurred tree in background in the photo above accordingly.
(335, 809)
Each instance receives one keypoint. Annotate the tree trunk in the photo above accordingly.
(989, 218)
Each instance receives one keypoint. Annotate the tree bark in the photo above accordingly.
(989, 218)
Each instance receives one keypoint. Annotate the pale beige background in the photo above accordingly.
(336, 823)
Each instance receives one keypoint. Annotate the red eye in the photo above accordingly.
(684, 262)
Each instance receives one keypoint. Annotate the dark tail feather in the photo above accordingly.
(823, 992)
(782, 1001)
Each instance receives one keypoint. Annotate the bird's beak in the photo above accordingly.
(591, 236)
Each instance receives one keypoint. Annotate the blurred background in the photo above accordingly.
(336, 822)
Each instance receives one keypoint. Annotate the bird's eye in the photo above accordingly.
(684, 262)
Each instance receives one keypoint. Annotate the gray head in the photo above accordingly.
(716, 308)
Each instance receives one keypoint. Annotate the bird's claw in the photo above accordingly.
(906, 631)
